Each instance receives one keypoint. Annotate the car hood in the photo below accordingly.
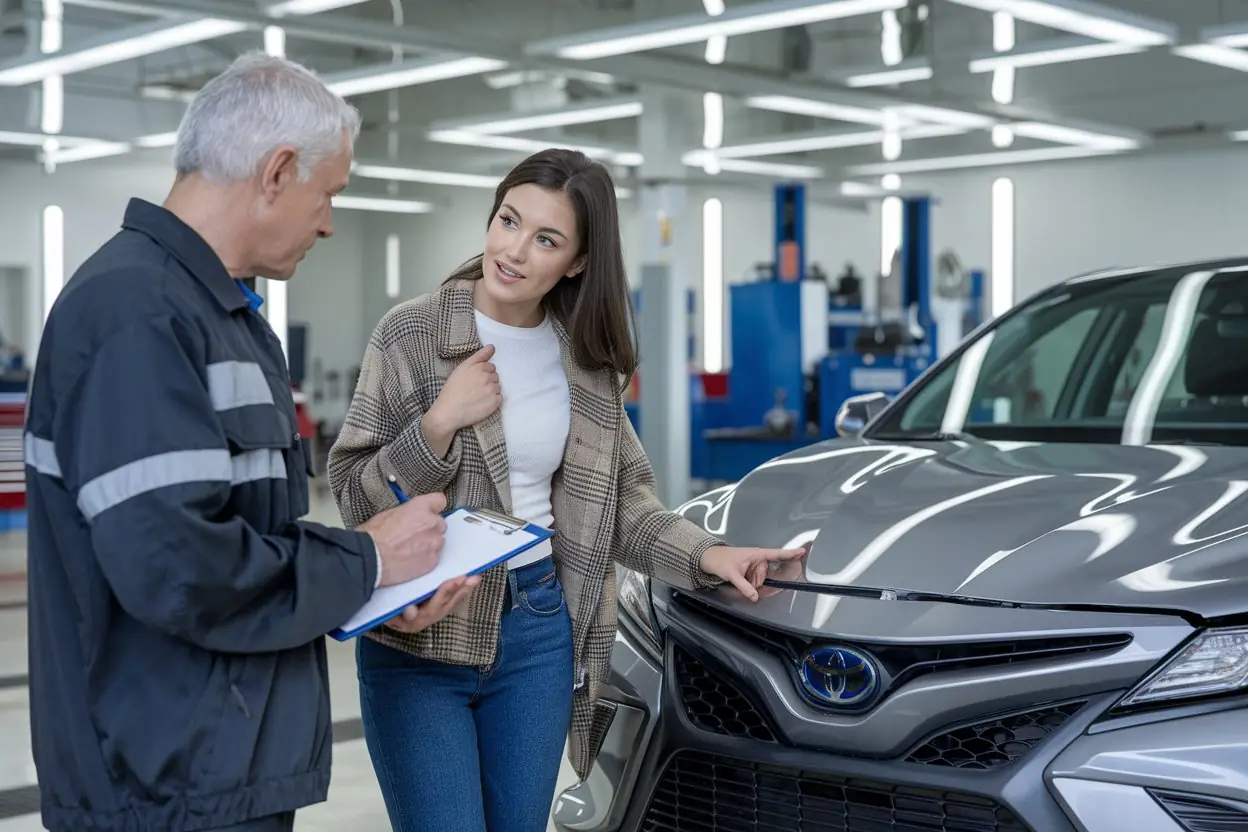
(1149, 528)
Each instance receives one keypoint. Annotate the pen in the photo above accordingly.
(398, 492)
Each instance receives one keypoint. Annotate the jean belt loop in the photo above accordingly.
(513, 588)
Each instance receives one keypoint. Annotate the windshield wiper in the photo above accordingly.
(886, 594)
(931, 436)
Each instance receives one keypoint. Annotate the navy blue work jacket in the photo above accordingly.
(178, 677)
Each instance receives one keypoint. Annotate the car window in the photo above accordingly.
(1161, 357)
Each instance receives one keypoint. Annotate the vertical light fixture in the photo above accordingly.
(716, 45)
(276, 298)
(890, 38)
(891, 146)
(53, 232)
(1001, 281)
(712, 129)
(713, 285)
(392, 266)
(1003, 76)
(52, 99)
(890, 232)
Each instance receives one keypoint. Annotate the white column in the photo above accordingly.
(670, 266)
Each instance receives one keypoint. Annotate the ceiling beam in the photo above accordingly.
(671, 71)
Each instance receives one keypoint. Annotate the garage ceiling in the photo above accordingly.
(839, 89)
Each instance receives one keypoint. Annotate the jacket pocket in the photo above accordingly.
(268, 463)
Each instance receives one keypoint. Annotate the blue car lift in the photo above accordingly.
(797, 353)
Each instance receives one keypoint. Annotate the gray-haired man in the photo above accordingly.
(178, 675)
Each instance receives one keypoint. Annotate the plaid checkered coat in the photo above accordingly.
(604, 500)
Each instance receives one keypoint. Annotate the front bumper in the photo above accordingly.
(685, 753)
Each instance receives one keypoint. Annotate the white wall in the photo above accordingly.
(1073, 217)
(325, 293)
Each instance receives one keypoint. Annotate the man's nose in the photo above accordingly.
(327, 230)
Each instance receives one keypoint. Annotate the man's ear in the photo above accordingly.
(280, 171)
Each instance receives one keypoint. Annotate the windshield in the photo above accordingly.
(1161, 357)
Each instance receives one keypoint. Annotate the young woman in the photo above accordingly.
(503, 390)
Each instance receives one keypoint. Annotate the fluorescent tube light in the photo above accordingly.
(157, 140)
(816, 141)
(816, 109)
(468, 138)
(713, 285)
(1239, 135)
(1001, 280)
(53, 232)
(427, 177)
(886, 77)
(712, 120)
(1233, 34)
(944, 115)
(86, 152)
(699, 158)
(1061, 134)
(686, 29)
(38, 139)
(135, 42)
(373, 203)
(563, 117)
(1053, 51)
(408, 74)
(1083, 17)
(891, 230)
(301, 7)
(393, 274)
(1212, 53)
(275, 41)
(277, 311)
(976, 160)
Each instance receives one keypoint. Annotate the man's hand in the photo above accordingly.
(449, 596)
(408, 537)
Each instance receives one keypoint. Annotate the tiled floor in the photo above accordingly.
(354, 799)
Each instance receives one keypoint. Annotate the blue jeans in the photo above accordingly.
(467, 749)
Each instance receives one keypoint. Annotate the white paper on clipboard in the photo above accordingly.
(476, 540)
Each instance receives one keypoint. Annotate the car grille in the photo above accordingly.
(715, 704)
(1204, 814)
(701, 792)
(907, 662)
(992, 743)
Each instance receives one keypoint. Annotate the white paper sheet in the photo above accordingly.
(473, 543)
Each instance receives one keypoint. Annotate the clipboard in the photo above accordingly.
(477, 539)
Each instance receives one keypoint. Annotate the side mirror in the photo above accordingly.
(856, 411)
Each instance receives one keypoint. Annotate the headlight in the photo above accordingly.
(1214, 662)
(635, 601)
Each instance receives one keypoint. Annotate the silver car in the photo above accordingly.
(1024, 607)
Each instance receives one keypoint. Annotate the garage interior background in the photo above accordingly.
(1107, 132)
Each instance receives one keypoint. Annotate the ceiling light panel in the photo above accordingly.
(686, 29)
(563, 117)
(284, 8)
(372, 203)
(976, 160)
(698, 159)
(816, 109)
(888, 77)
(1216, 54)
(426, 177)
(1082, 17)
(408, 74)
(136, 42)
(1061, 134)
(518, 144)
(1053, 51)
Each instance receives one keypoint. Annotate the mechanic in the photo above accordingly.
(178, 673)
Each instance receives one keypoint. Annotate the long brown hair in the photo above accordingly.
(595, 307)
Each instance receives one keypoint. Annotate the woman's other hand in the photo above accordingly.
(448, 597)
(470, 394)
(745, 568)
